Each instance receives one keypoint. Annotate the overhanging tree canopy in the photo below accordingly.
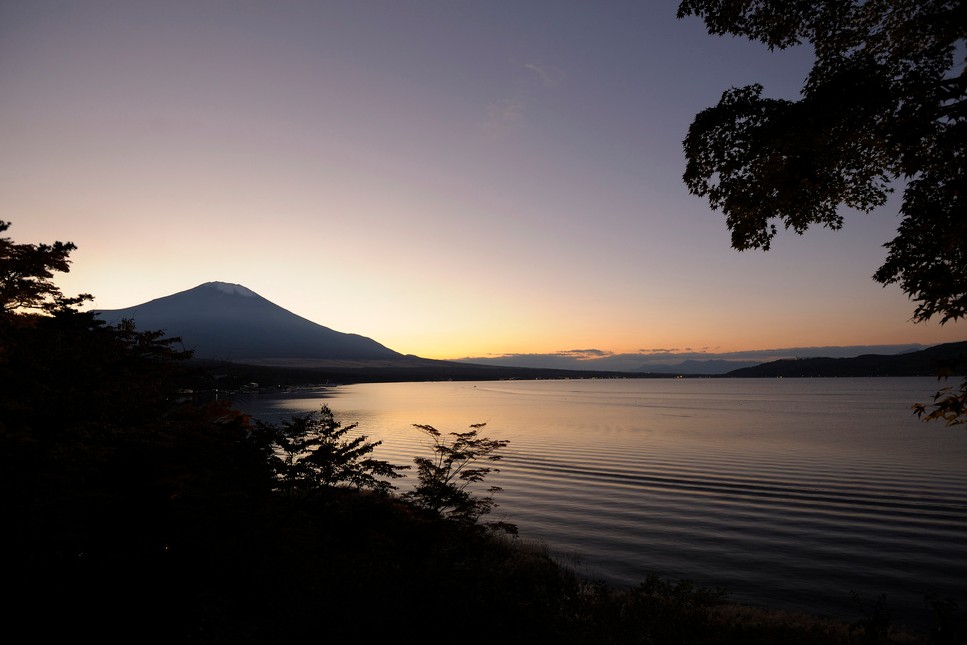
(883, 103)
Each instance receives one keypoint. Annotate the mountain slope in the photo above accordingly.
(229, 322)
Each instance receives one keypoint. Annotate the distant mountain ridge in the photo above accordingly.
(229, 322)
(951, 357)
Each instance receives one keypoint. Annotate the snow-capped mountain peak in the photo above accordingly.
(226, 321)
(230, 288)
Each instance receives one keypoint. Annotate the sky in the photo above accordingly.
(452, 179)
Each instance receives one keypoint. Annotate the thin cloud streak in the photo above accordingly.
(507, 114)
(549, 75)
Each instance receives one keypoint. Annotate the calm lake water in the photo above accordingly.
(791, 493)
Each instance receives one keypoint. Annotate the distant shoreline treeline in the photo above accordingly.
(949, 359)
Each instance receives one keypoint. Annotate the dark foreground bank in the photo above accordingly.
(348, 565)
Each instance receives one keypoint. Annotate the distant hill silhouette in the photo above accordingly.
(229, 322)
(926, 362)
(696, 367)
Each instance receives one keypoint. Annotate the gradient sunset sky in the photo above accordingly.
(450, 178)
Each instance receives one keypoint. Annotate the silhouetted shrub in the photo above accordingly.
(312, 451)
(446, 478)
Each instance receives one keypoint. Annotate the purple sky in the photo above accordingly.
(451, 179)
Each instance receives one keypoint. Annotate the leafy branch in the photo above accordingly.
(949, 405)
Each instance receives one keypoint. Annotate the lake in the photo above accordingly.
(791, 493)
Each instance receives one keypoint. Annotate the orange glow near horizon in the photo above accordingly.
(516, 196)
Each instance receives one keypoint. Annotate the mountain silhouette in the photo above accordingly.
(229, 322)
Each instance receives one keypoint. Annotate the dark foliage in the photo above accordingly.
(313, 451)
(949, 405)
(883, 102)
(26, 272)
(108, 485)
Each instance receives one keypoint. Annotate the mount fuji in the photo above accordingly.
(229, 322)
